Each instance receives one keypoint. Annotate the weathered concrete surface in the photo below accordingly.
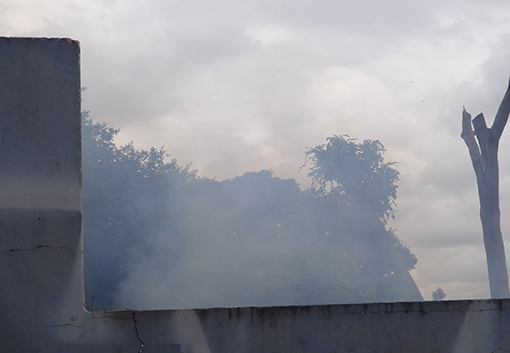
(41, 256)
(456, 326)
(40, 159)
(450, 326)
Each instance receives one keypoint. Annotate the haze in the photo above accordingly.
(238, 86)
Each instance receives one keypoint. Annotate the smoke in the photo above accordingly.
(258, 240)
(239, 86)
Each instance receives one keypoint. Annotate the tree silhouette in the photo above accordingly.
(354, 176)
(438, 294)
(484, 156)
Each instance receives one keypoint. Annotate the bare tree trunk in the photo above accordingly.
(484, 156)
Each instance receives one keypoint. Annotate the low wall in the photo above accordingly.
(448, 326)
(41, 254)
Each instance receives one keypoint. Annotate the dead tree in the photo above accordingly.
(484, 156)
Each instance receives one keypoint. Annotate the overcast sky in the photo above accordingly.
(245, 85)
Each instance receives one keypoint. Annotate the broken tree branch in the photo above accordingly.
(468, 135)
(483, 136)
(502, 115)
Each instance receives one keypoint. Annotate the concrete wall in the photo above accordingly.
(456, 326)
(41, 254)
(450, 326)
(40, 187)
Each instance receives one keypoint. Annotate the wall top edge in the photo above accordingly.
(357, 308)
(41, 39)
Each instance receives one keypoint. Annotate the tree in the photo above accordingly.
(484, 156)
(438, 294)
(355, 173)
(355, 177)
(153, 229)
(126, 197)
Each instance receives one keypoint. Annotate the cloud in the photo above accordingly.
(246, 85)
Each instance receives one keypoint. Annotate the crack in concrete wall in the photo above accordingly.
(63, 325)
(43, 247)
(140, 348)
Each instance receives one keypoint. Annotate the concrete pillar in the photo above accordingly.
(41, 252)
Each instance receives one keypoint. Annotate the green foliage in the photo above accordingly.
(354, 173)
(125, 196)
(408, 258)
(253, 240)
(355, 176)
(438, 294)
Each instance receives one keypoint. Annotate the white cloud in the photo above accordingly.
(236, 86)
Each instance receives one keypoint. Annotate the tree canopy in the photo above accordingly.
(159, 236)
(438, 294)
(354, 173)
(126, 194)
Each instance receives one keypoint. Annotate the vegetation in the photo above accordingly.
(438, 294)
(172, 239)
(484, 156)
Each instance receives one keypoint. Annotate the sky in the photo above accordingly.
(238, 86)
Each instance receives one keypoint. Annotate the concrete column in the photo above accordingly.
(41, 251)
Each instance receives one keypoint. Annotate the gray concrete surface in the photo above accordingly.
(40, 188)
(41, 256)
